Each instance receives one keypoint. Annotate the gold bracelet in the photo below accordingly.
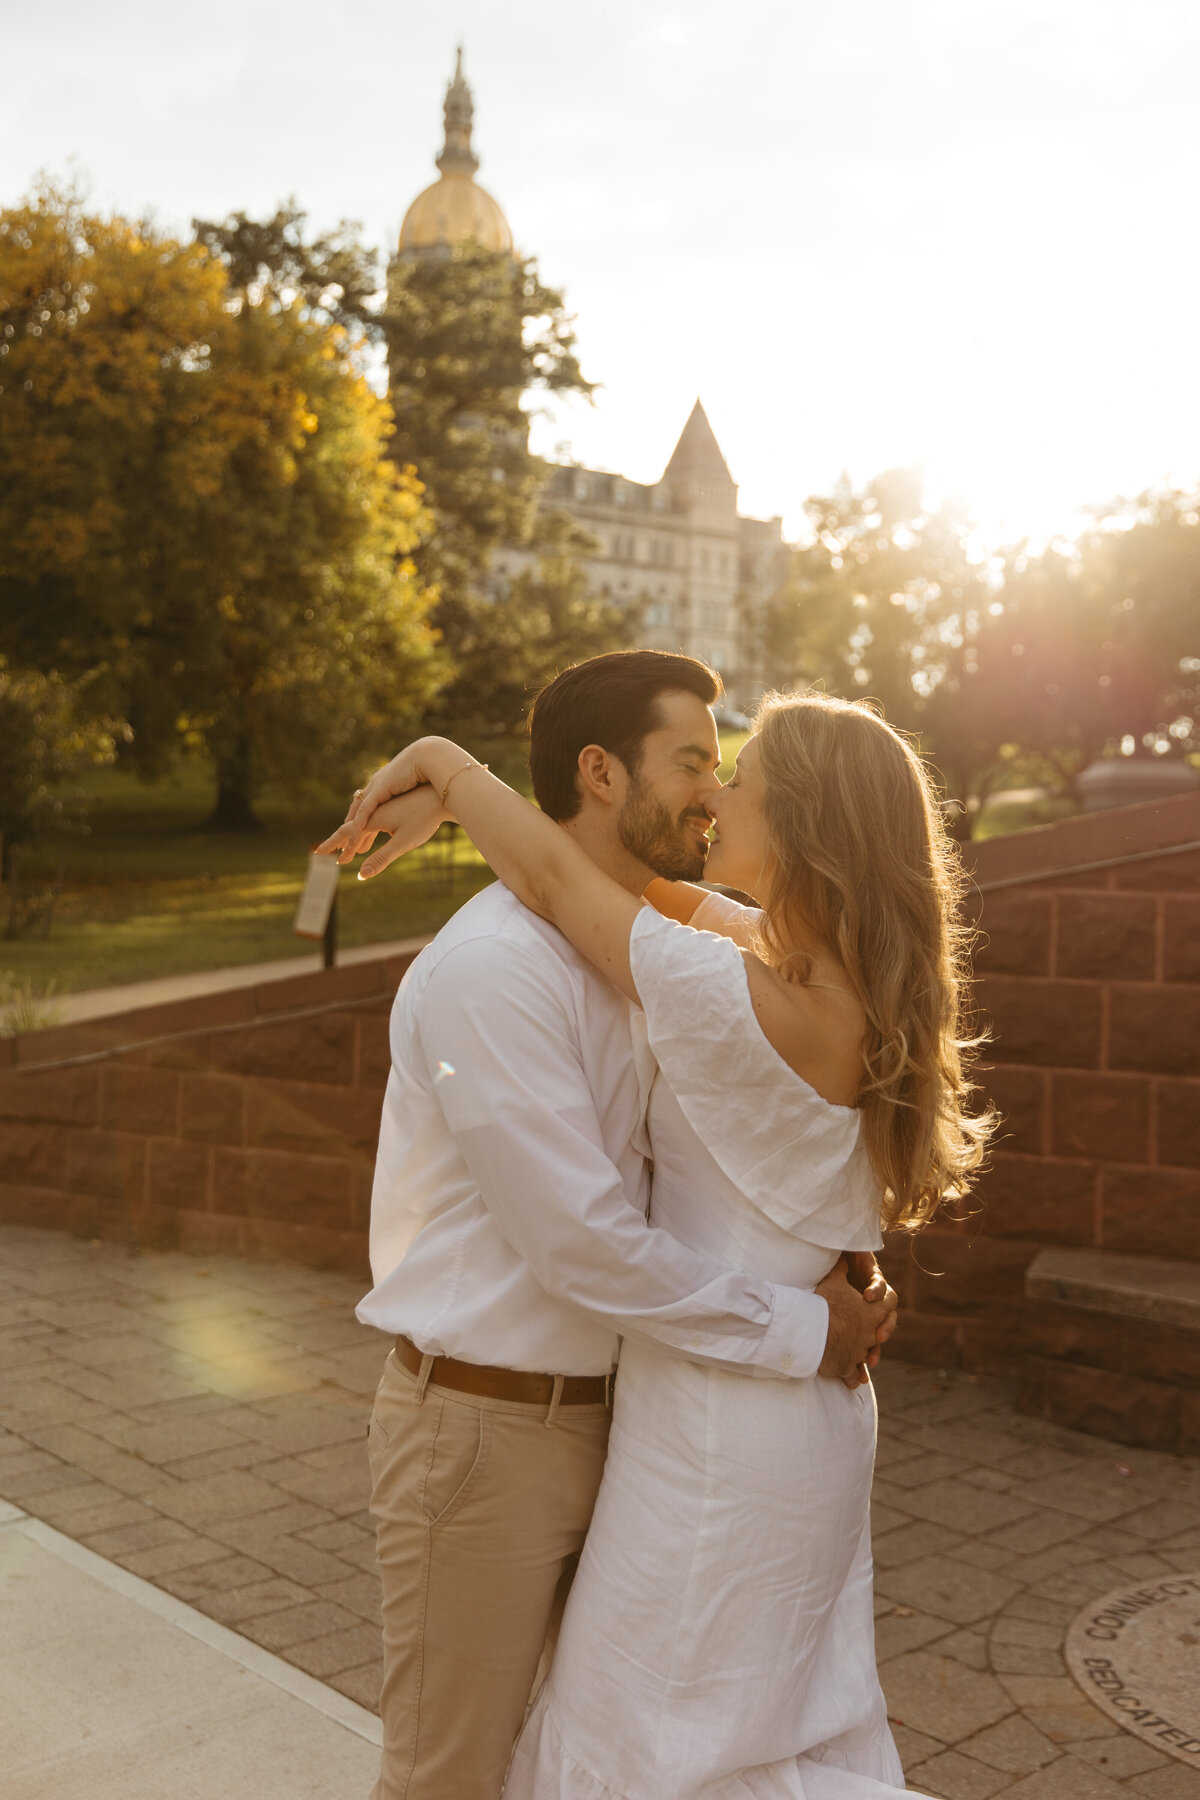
(457, 773)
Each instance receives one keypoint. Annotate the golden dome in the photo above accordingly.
(455, 209)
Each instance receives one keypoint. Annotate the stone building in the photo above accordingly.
(677, 550)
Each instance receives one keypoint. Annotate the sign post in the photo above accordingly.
(316, 913)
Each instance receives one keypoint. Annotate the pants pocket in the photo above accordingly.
(460, 1450)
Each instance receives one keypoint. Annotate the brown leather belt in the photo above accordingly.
(505, 1384)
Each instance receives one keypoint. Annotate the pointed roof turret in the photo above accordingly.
(457, 157)
(698, 453)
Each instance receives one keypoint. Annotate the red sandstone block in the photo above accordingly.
(1151, 1212)
(1020, 1096)
(374, 1053)
(1181, 940)
(1162, 875)
(311, 1116)
(350, 982)
(212, 1108)
(1053, 1024)
(109, 1164)
(362, 1177)
(191, 1052)
(313, 1049)
(1068, 1334)
(1105, 937)
(230, 1191)
(33, 1154)
(921, 1339)
(995, 1343)
(1179, 1123)
(1167, 1353)
(1043, 1200)
(210, 1234)
(201, 1013)
(180, 1176)
(139, 1099)
(272, 1184)
(1103, 1116)
(1189, 1425)
(966, 1275)
(54, 1096)
(50, 1209)
(1156, 1029)
(315, 1246)
(1131, 1411)
(1015, 928)
(397, 967)
(65, 1041)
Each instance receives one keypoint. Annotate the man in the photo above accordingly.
(510, 1248)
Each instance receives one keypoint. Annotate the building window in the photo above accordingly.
(658, 615)
(581, 487)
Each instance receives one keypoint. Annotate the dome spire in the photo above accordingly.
(457, 157)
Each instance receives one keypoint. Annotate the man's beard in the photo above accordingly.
(665, 844)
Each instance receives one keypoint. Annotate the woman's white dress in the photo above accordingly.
(719, 1637)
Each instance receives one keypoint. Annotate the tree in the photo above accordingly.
(1025, 665)
(48, 734)
(508, 647)
(469, 335)
(887, 600)
(195, 494)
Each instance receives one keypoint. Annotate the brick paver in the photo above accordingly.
(202, 1423)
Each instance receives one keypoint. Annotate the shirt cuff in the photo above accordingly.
(794, 1342)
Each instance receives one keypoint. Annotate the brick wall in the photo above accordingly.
(1091, 978)
(246, 1121)
(243, 1122)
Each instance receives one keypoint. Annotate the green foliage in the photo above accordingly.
(1015, 668)
(195, 492)
(47, 737)
(151, 892)
(507, 647)
(469, 334)
(24, 1008)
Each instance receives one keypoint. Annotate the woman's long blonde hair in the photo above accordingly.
(861, 857)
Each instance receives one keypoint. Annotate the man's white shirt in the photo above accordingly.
(508, 1214)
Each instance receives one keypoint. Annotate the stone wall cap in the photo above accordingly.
(1088, 838)
(1132, 1287)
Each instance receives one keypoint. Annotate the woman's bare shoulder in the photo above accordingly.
(817, 1030)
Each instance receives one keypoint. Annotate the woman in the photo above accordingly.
(719, 1637)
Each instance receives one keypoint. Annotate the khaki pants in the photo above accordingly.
(481, 1507)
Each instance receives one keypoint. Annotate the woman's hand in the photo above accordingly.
(407, 822)
(426, 761)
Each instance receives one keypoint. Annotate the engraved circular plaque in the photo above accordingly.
(1136, 1655)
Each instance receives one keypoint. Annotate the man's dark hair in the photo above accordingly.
(609, 700)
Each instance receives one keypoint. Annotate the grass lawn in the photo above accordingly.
(150, 892)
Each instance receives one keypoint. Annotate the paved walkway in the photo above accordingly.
(201, 1423)
(99, 1003)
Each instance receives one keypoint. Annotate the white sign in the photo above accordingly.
(317, 897)
(1136, 1654)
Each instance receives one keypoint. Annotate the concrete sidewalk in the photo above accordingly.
(100, 1003)
(201, 1423)
(111, 1689)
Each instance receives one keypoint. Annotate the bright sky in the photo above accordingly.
(867, 232)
